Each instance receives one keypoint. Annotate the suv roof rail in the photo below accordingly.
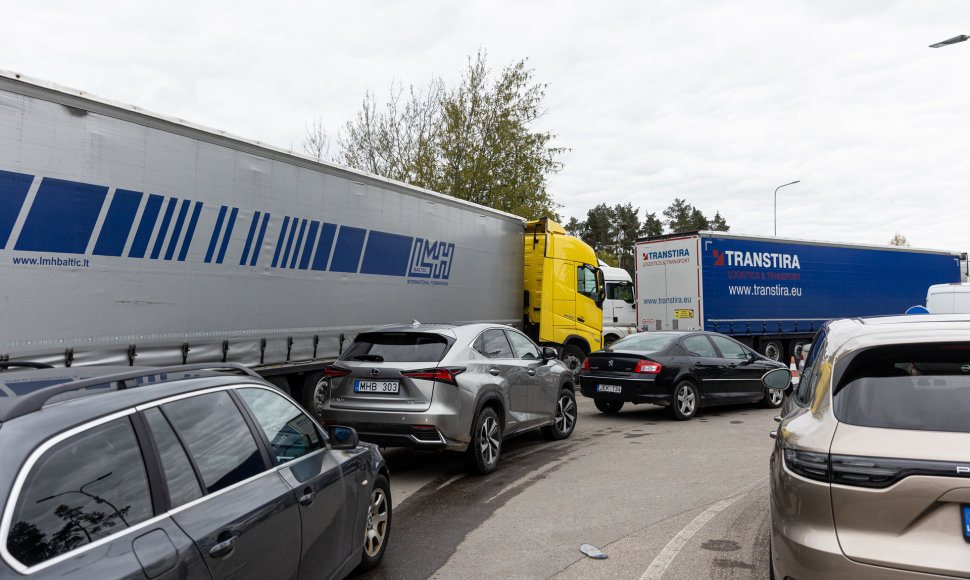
(35, 401)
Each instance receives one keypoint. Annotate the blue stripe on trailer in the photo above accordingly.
(62, 217)
(190, 232)
(289, 243)
(324, 245)
(279, 242)
(386, 254)
(215, 234)
(148, 218)
(249, 239)
(118, 222)
(163, 230)
(299, 243)
(311, 239)
(225, 238)
(177, 230)
(259, 240)
(346, 255)
(13, 191)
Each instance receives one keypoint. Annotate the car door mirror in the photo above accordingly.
(777, 379)
(549, 353)
(342, 437)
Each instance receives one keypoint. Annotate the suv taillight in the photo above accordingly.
(444, 375)
(332, 371)
(647, 366)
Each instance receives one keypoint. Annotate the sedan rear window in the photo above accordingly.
(397, 347)
(644, 342)
(923, 387)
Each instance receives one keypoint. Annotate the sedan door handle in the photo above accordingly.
(532, 372)
(307, 498)
(494, 372)
(773, 434)
(223, 548)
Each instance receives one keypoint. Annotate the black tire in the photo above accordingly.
(486, 444)
(573, 356)
(773, 398)
(608, 407)
(771, 562)
(795, 349)
(281, 383)
(565, 417)
(377, 529)
(773, 349)
(315, 392)
(684, 403)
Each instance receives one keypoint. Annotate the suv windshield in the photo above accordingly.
(397, 347)
(917, 386)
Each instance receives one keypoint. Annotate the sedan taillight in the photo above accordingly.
(444, 375)
(586, 364)
(648, 367)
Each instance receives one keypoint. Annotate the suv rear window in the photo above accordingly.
(397, 347)
(923, 387)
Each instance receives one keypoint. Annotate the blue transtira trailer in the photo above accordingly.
(773, 293)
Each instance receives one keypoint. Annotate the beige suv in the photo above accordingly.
(870, 473)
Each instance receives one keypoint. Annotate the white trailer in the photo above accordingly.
(132, 238)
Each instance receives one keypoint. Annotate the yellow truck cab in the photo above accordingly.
(564, 292)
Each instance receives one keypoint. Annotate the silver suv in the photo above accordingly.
(870, 474)
(449, 387)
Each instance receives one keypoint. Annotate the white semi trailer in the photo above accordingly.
(133, 238)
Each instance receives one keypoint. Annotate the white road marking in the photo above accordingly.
(673, 547)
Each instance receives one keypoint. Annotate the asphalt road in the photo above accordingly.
(662, 498)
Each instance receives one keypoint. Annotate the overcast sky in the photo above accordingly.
(715, 102)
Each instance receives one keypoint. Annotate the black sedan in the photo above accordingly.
(680, 370)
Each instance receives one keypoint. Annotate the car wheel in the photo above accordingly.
(573, 356)
(772, 349)
(486, 444)
(565, 421)
(771, 561)
(378, 526)
(685, 401)
(773, 398)
(608, 407)
(316, 391)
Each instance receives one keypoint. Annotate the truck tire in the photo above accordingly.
(281, 383)
(315, 392)
(573, 356)
(795, 349)
(773, 349)
(610, 339)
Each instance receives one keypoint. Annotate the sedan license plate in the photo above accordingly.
(966, 522)
(376, 387)
(609, 389)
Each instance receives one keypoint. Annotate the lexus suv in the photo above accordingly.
(870, 473)
(179, 472)
(449, 387)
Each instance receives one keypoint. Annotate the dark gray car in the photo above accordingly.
(180, 472)
(449, 387)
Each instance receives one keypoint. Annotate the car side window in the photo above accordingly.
(217, 437)
(809, 378)
(87, 487)
(729, 348)
(698, 345)
(291, 433)
(493, 344)
(183, 484)
(523, 347)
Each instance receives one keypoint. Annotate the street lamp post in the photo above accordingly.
(948, 41)
(776, 203)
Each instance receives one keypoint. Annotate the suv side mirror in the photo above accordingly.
(549, 353)
(777, 379)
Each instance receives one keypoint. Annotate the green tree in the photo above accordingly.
(476, 142)
(652, 225)
(683, 217)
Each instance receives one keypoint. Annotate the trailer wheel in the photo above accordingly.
(316, 391)
(772, 349)
(281, 383)
(573, 356)
(795, 349)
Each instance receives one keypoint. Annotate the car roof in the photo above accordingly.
(850, 334)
